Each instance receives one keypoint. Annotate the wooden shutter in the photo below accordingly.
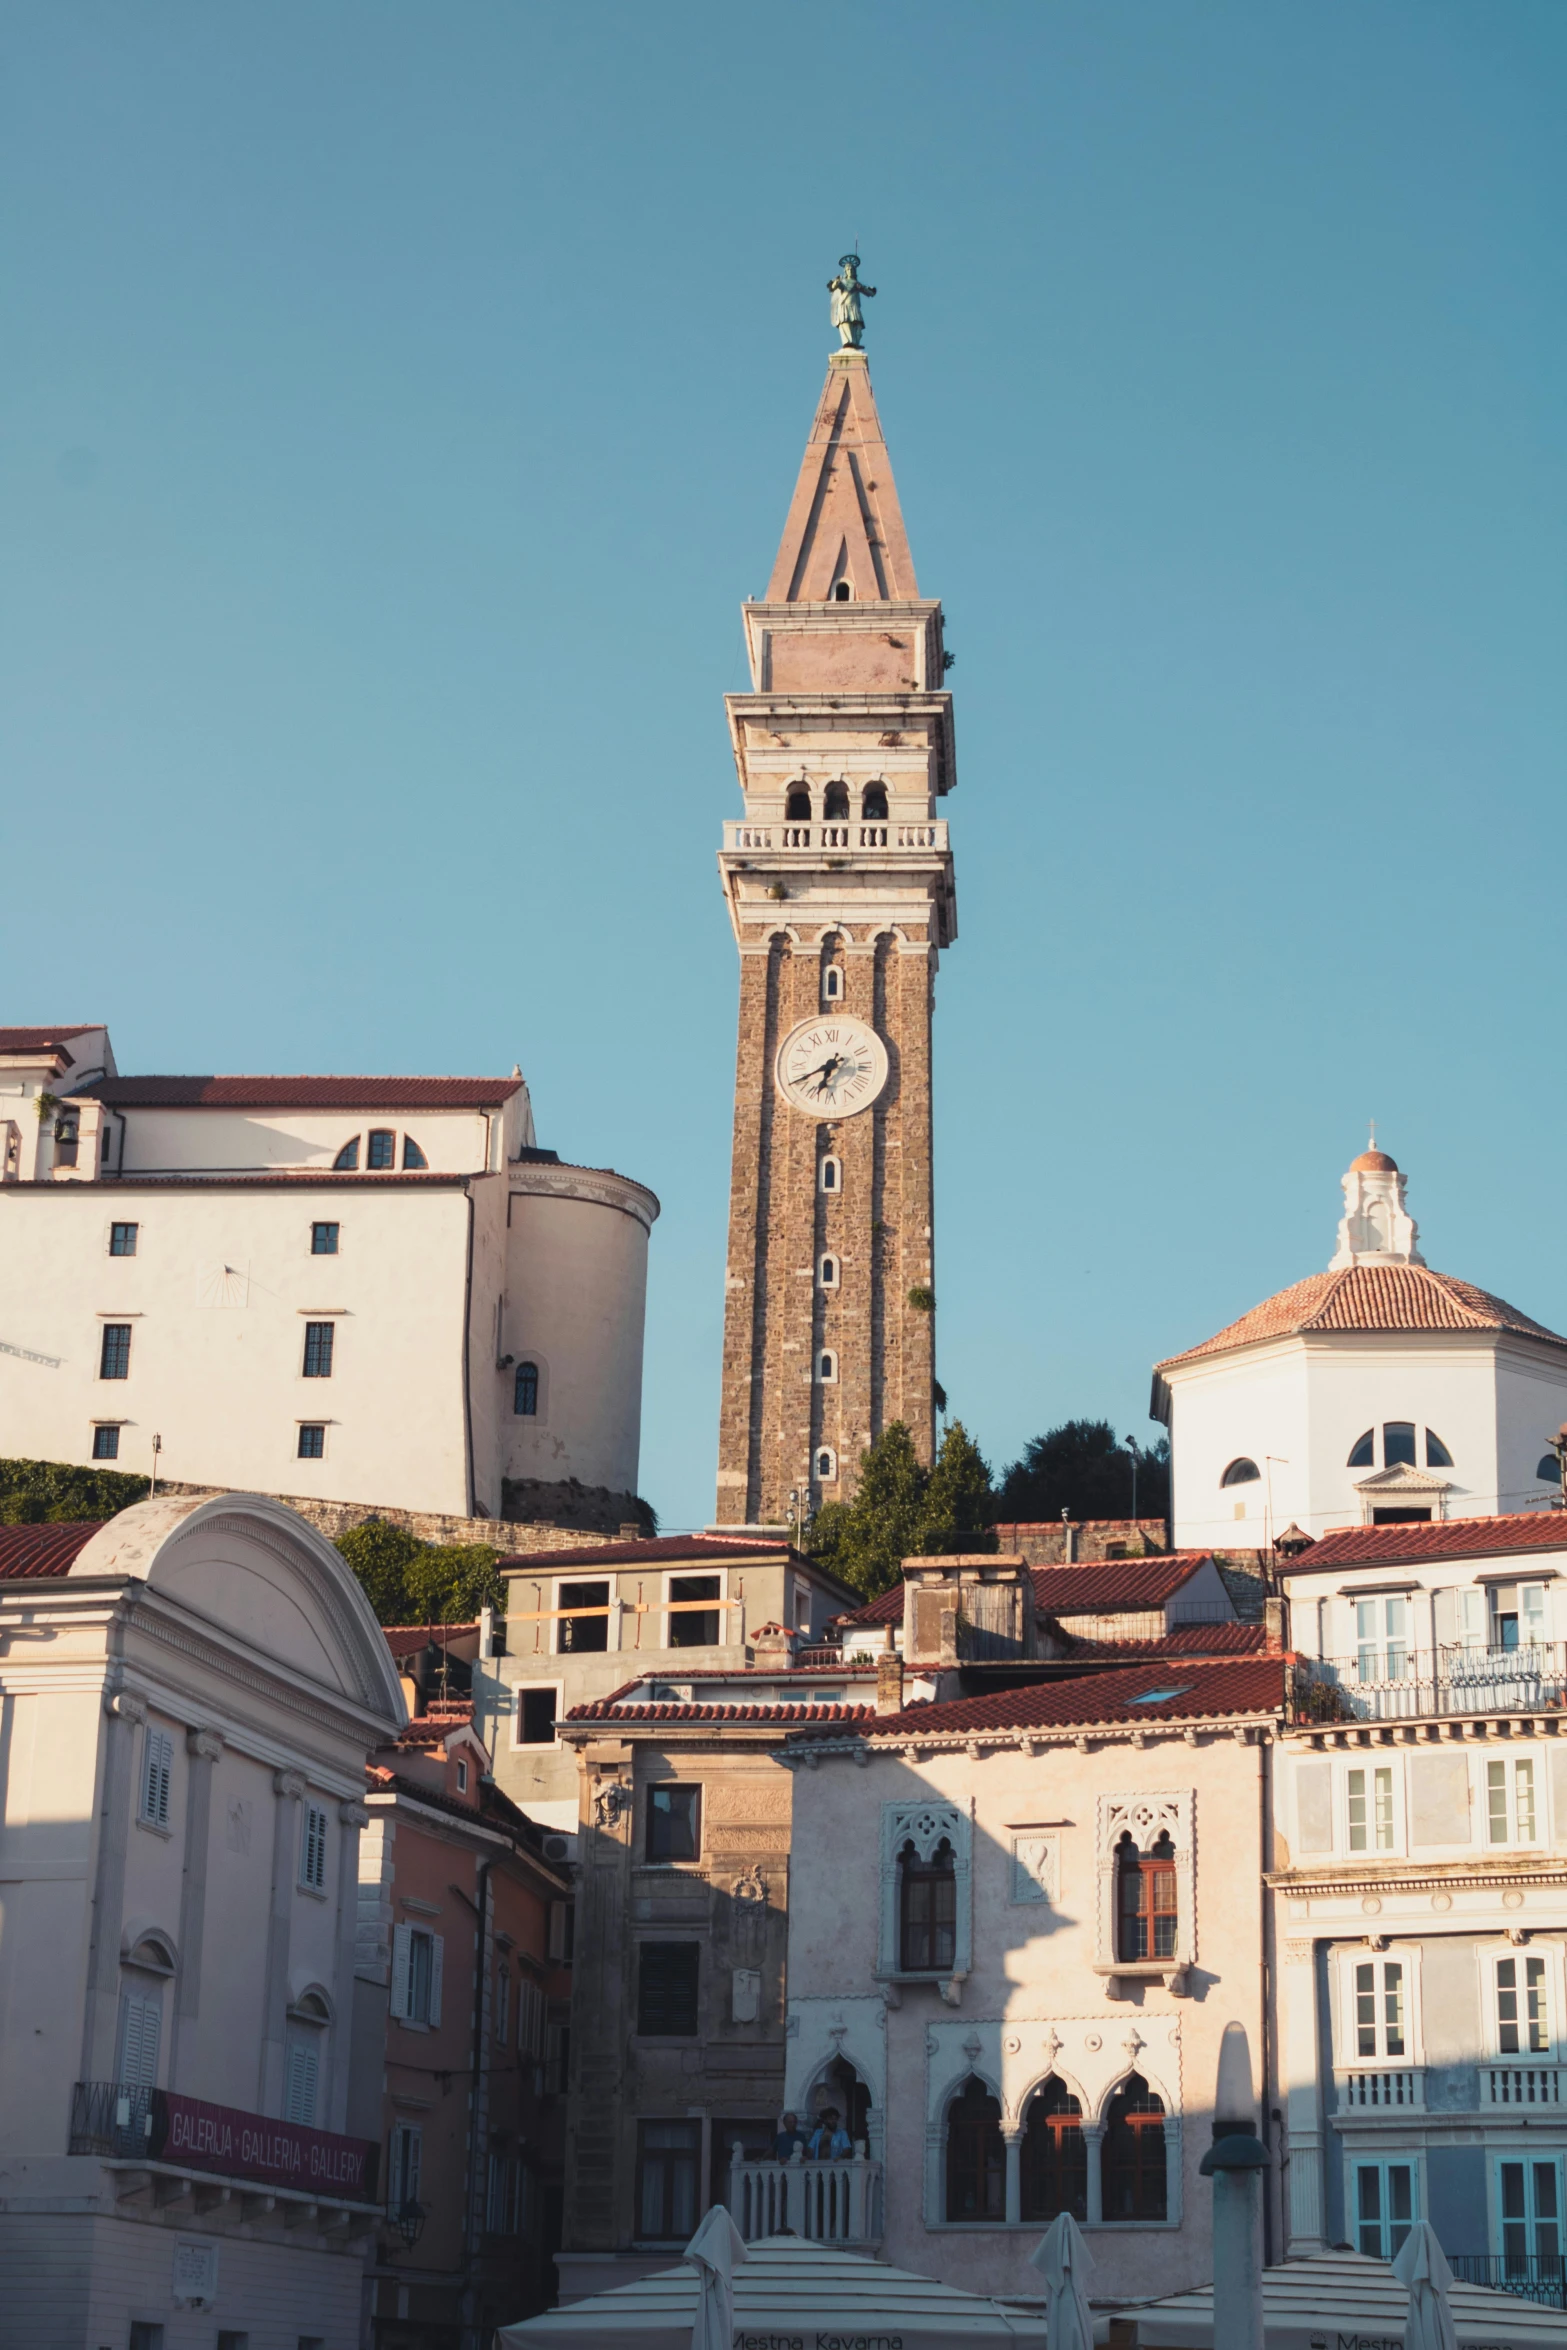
(141, 2025)
(437, 1947)
(300, 2094)
(157, 1776)
(402, 1968)
(313, 1860)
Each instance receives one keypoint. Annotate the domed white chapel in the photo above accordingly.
(1371, 1394)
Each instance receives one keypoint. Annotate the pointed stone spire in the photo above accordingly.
(1376, 1228)
(845, 527)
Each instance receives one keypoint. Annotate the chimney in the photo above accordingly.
(1275, 1627)
(889, 1683)
(773, 1648)
(632, 1532)
(1068, 1540)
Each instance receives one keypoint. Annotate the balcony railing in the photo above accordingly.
(832, 2202)
(127, 2122)
(1382, 2089)
(1391, 1684)
(1523, 2085)
(840, 838)
(1530, 2276)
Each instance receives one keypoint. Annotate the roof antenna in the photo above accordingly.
(1372, 1144)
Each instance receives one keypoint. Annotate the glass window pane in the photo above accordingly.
(1398, 1444)
(1496, 1801)
(1523, 1801)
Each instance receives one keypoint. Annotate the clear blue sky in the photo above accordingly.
(399, 401)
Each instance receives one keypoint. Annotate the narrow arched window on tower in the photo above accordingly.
(832, 1174)
(827, 1272)
(827, 1367)
(797, 807)
(835, 803)
(827, 1465)
(842, 593)
(874, 805)
(832, 984)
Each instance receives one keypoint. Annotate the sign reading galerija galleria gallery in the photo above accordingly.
(221, 2139)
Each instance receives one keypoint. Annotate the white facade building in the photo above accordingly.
(1421, 1892)
(1377, 1392)
(190, 1694)
(349, 1289)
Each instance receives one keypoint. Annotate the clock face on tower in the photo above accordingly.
(831, 1067)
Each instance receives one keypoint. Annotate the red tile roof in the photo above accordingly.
(408, 1639)
(306, 1093)
(1105, 1585)
(792, 1717)
(1189, 1640)
(1500, 1537)
(1369, 1297)
(666, 1550)
(35, 1553)
(1199, 1691)
(435, 1727)
(1096, 1587)
(40, 1040)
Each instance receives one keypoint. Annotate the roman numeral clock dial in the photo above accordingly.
(831, 1068)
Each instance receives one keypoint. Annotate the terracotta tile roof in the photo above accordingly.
(665, 1550)
(435, 1726)
(1189, 1640)
(1096, 1587)
(1500, 1537)
(1198, 1692)
(306, 1093)
(1106, 1585)
(611, 1709)
(1369, 1297)
(35, 1553)
(408, 1639)
(39, 1040)
(670, 1674)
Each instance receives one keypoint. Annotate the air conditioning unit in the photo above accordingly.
(557, 1847)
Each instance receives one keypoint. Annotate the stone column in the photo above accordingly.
(288, 1789)
(127, 1713)
(1299, 2058)
(203, 1748)
(1093, 2141)
(1012, 2140)
(353, 1818)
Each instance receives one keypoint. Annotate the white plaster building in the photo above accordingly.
(1016, 1934)
(357, 1289)
(190, 1694)
(1421, 1894)
(1377, 1392)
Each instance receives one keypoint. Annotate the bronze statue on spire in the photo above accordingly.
(846, 290)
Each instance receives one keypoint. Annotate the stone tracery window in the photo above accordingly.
(976, 2156)
(927, 1910)
(1134, 2171)
(1054, 2156)
(1146, 1909)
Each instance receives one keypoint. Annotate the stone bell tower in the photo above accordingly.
(839, 884)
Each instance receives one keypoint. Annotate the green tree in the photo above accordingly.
(1080, 1467)
(903, 1510)
(52, 1493)
(411, 1582)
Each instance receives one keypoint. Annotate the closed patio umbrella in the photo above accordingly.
(1421, 2264)
(713, 2252)
(790, 2285)
(1067, 2265)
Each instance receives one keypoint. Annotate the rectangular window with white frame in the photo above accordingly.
(1382, 1637)
(1379, 2019)
(1371, 1821)
(1512, 1800)
(417, 1965)
(1384, 2205)
(535, 1712)
(1521, 2004)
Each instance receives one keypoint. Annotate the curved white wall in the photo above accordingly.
(576, 1296)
